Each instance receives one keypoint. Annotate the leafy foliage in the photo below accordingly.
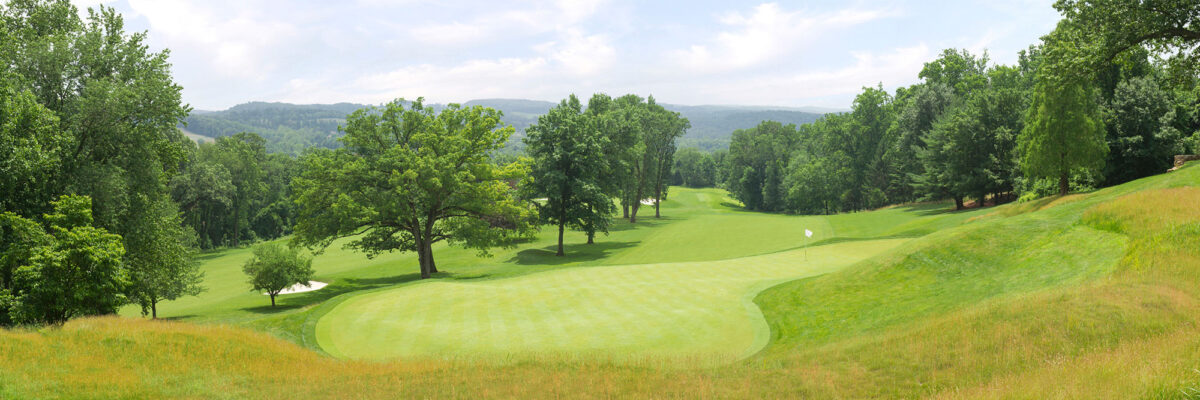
(694, 168)
(88, 109)
(1063, 131)
(407, 178)
(569, 164)
(73, 269)
(275, 268)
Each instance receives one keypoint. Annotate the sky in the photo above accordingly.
(794, 54)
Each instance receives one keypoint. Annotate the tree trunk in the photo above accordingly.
(422, 259)
(429, 256)
(591, 237)
(1064, 184)
(560, 239)
(657, 199)
(272, 299)
(625, 210)
(958, 202)
(153, 309)
(237, 230)
(637, 204)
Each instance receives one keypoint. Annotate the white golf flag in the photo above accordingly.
(807, 233)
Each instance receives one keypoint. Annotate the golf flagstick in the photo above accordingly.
(807, 235)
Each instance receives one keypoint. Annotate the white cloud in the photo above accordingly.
(584, 56)
(239, 41)
(473, 79)
(765, 34)
(226, 52)
(542, 17)
(894, 68)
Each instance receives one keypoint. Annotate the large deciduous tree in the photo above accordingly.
(664, 127)
(568, 170)
(1108, 28)
(408, 178)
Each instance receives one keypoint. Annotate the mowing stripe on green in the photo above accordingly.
(699, 310)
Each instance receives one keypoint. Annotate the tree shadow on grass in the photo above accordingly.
(574, 253)
(178, 317)
(339, 287)
(927, 209)
(621, 225)
(208, 255)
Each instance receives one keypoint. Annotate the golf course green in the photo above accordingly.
(1090, 296)
(678, 286)
(700, 310)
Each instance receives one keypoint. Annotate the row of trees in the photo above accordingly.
(88, 142)
(1069, 114)
(408, 177)
(619, 148)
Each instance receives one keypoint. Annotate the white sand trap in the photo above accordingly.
(648, 202)
(298, 288)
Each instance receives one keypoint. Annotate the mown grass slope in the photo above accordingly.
(1094, 295)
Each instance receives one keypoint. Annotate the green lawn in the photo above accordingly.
(699, 310)
(698, 225)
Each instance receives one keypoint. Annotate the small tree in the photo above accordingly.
(76, 270)
(275, 267)
(166, 271)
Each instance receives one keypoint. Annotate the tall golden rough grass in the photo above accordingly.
(1133, 334)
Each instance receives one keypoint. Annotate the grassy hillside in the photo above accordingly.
(1094, 295)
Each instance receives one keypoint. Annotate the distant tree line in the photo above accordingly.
(287, 128)
(696, 169)
(1091, 105)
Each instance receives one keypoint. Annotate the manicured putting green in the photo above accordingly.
(701, 310)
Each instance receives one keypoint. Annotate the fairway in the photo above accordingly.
(696, 310)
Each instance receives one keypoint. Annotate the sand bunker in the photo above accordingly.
(298, 288)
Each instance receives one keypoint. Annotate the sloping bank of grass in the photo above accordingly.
(985, 310)
(1094, 296)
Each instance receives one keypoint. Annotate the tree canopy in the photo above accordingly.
(408, 178)
(569, 164)
(275, 267)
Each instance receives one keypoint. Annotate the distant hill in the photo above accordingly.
(712, 126)
(290, 128)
